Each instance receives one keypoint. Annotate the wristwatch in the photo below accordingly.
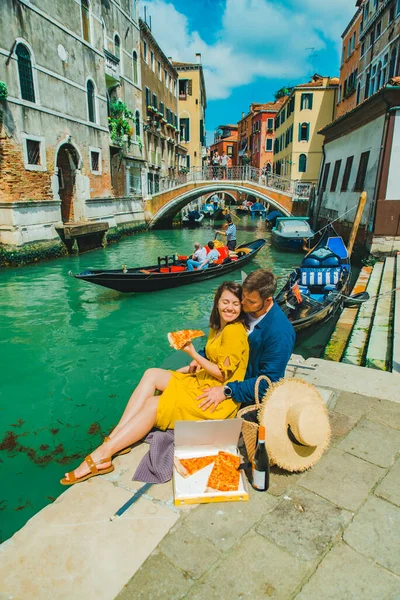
(227, 391)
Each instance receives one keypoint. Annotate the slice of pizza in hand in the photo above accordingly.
(225, 475)
(179, 339)
(188, 466)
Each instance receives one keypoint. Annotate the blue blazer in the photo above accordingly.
(271, 346)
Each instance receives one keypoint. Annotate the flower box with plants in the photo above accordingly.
(120, 128)
(3, 91)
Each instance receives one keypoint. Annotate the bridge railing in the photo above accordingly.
(262, 178)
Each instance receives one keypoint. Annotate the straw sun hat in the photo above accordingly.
(297, 430)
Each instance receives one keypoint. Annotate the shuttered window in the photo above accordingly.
(184, 129)
(85, 12)
(335, 175)
(137, 123)
(91, 101)
(135, 67)
(268, 144)
(302, 163)
(202, 140)
(325, 177)
(346, 174)
(362, 170)
(25, 73)
(189, 87)
(304, 132)
(154, 104)
(306, 101)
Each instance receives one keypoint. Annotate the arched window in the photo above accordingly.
(137, 123)
(358, 93)
(373, 81)
(91, 100)
(304, 131)
(302, 163)
(25, 73)
(117, 46)
(135, 67)
(85, 12)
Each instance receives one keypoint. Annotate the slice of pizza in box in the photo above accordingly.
(206, 462)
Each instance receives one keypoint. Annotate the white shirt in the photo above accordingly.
(253, 322)
(200, 255)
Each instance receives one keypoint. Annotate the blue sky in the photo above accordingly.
(251, 48)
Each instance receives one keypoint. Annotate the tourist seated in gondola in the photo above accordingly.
(211, 256)
(198, 257)
(227, 352)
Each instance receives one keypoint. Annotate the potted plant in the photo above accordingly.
(3, 91)
(120, 128)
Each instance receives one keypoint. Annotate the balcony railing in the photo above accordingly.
(300, 191)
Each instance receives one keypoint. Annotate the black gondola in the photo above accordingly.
(318, 288)
(169, 273)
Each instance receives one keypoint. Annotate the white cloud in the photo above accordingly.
(258, 38)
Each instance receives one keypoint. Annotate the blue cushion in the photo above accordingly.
(321, 276)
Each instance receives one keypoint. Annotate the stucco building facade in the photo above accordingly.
(71, 69)
(263, 134)
(297, 145)
(192, 104)
(347, 97)
(160, 108)
(379, 45)
(362, 153)
(226, 140)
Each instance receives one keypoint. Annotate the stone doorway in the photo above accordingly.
(67, 166)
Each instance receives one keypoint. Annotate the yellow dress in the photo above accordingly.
(179, 400)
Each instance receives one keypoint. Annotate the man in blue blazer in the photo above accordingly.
(271, 340)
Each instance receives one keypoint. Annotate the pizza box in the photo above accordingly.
(205, 438)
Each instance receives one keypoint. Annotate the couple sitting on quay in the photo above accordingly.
(249, 336)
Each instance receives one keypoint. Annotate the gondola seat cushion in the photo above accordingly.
(320, 276)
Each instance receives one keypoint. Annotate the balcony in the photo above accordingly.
(111, 68)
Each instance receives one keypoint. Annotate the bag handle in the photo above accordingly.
(260, 378)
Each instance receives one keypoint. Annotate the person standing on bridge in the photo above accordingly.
(230, 233)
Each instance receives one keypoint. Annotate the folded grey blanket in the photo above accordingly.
(157, 465)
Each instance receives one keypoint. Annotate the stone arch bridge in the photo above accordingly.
(288, 196)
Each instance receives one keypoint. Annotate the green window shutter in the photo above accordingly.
(310, 102)
(202, 132)
(25, 73)
(190, 87)
(299, 132)
(308, 131)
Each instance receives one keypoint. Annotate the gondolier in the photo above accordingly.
(230, 233)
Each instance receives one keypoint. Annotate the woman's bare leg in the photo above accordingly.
(152, 380)
(134, 430)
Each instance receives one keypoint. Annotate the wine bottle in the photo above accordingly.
(260, 465)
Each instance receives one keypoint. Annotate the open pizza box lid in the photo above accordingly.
(206, 438)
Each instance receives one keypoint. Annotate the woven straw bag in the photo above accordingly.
(249, 429)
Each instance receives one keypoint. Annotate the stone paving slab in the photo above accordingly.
(374, 442)
(256, 568)
(191, 553)
(342, 478)
(225, 523)
(354, 406)
(385, 412)
(346, 575)
(71, 549)
(340, 426)
(304, 524)
(374, 533)
(158, 580)
(389, 488)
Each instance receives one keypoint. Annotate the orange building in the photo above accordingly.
(347, 99)
(256, 134)
(226, 140)
(263, 134)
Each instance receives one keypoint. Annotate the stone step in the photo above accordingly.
(396, 321)
(337, 344)
(379, 351)
(355, 350)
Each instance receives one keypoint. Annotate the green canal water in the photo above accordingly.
(71, 353)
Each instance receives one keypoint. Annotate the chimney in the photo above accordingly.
(170, 59)
(242, 115)
(198, 58)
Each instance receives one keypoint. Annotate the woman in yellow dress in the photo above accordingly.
(227, 351)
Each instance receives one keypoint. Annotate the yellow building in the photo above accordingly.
(192, 103)
(298, 147)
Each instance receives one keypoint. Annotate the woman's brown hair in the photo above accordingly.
(236, 290)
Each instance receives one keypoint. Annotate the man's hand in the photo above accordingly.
(212, 397)
(194, 366)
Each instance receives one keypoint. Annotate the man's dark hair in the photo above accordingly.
(262, 281)
(229, 219)
(210, 245)
(236, 290)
